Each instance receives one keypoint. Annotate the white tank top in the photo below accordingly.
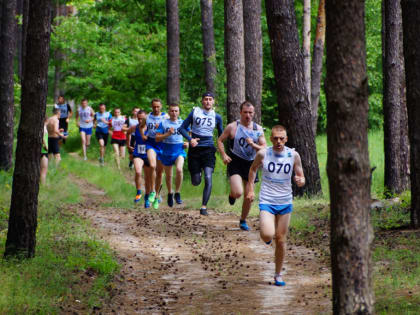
(133, 122)
(277, 169)
(118, 123)
(240, 147)
(84, 114)
(203, 122)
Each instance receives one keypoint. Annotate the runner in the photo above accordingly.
(44, 154)
(140, 157)
(54, 135)
(101, 121)
(172, 152)
(132, 121)
(65, 115)
(201, 154)
(85, 113)
(153, 148)
(245, 139)
(118, 135)
(278, 163)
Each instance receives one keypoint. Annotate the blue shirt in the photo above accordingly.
(174, 143)
(99, 123)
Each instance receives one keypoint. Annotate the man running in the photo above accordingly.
(132, 121)
(101, 121)
(65, 115)
(154, 149)
(201, 153)
(245, 139)
(172, 152)
(85, 114)
(54, 135)
(118, 138)
(278, 163)
(140, 157)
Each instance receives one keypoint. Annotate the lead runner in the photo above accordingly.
(278, 163)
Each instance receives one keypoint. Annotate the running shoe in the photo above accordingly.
(146, 203)
(243, 225)
(85, 158)
(155, 204)
(203, 211)
(171, 200)
(101, 162)
(152, 196)
(278, 281)
(178, 198)
(269, 242)
(137, 199)
(231, 200)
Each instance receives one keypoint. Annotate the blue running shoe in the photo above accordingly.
(269, 242)
(171, 200)
(203, 211)
(243, 225)
(278, 281)
(146, 202)
(178, 198)
(137, 199)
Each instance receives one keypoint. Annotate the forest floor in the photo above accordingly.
(174, 261)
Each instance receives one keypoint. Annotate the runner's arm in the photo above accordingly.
(161, 134)
(220, 145)
(70, 112)
(250, 185)
(185, 126)
(219, 124)
(298, 169)
(262, 143)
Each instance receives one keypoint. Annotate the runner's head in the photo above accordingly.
(278, 137)
(102, 108)
(134, 111)
(84, 103)
(60, 99)
(173, 112)
(246, 112)
(56, 112)
(156, 106)
(117, 112)
(141, 116)
(207, 100)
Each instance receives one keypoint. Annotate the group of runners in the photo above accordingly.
(156, 143)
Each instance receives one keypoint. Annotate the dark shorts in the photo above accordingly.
(53, 146)
(201, 157)
(132, 141)
(62, 124)
(100, 135)
(239, 166)
(144, 158)
(44, 154)
(121, 142)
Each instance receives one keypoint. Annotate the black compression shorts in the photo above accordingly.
(239, 166)
(201, 157)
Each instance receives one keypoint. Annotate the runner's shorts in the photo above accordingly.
(63, 124)
(155, 146)
(169, 159)
(102, 135)
(201, 157)
(53, 146)
(87, 131)
(276, 209)
(120, 142)
(239, 166)
(143, 157)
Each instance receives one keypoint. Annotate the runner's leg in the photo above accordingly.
(138, 166)
(267, 226)
(179, 165)
(159, 174)
(282, 226)
(44, 169)
(115, 146)
(236, 189)
(101, 148)
(151, 156)
(208, 174)
(83, 137)
(168, 177)
(246, 206)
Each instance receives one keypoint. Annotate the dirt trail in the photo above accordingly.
(175, 261)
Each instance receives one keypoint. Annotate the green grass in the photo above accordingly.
(66, 248)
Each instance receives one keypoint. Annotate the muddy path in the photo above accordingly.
(174, 261)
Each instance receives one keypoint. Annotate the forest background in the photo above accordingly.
(115, 52)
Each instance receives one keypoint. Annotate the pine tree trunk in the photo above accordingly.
(19, 11)
(209, 49)
(25, 16)
(173, 76)
(318, 54)
(234, 57)
(348, 158)
(21, 234)
(7, 53)
(306, 46)
(60, 10)
(293, 105)
(411, 27)
(392, 72)
(253, 54)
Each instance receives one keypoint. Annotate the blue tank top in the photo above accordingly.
(176, 137)
(140, 145)
(64, 110)
(240, 147)
(153, 123)
(99, 116)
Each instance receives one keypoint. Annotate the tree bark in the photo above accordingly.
(25, 17)
(392, 72)
(19, 11)
(234, 57)
(348, 158)
(318, 54)
(7, 53)
(209, 49)
(411, 28)
(21, 234)
(253, 54)
(173, 76)
(293, 105)
(306, 46)
(60, 10)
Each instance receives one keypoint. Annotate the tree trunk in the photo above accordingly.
(234, 57)
(19, 11)
(7, 53)
(25, 16)
(348, 158)
(173, 77)
(306, 46)
(60, 10)
(318, 54)
(21, 234)
(293, 104)
(411, 27)
(209, 49)
(253, 54)
(392, 72)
